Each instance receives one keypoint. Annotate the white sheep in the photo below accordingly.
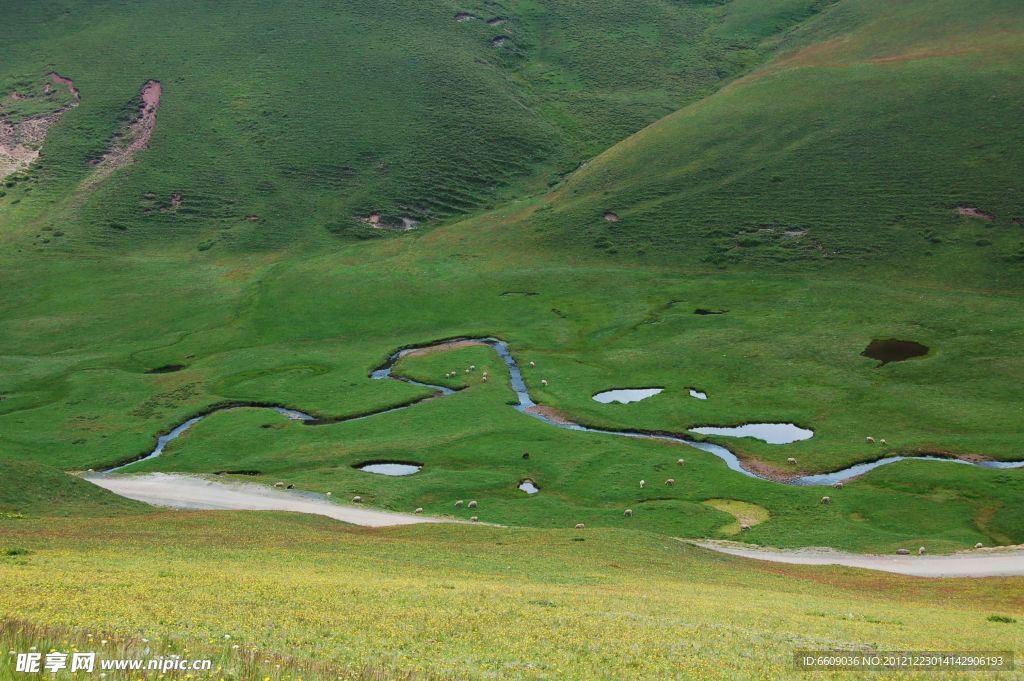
(418, 510)
(458, 503)
(670, 482)
(978, 545)
(472, 504)
(628, 513)
(472, 367)
(532, 363)
(837, 485)
(580, 526)
(903, 552)
(473, 518)
(920, 551)
(278, 484)
(744, 527)
(882, 442)
(544, 382)
(791, 460)
(680, 462)
(329, 494)
(642, 483)
(826, 500)
(871, 440)
(357, 499)
(485, 379)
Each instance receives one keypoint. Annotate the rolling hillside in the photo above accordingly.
(880, 130)
(280, 125)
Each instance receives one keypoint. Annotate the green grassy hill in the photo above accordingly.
(281, 125)
(859, 141)
(792, 163)
(585, 177)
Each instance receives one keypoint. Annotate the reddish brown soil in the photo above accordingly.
(443, 347)
(137, 136)
(67, 82)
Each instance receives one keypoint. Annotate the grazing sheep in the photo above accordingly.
(680, 462)
(472, 504)
(472, 367)
(920, 551)
(418, 510)
(357, 499)
(826, 500)
(290, 487)
(791, 460)
(978, 545)
(526, 455)
(903, 552)
(882, 442)
(329, 494)
(871, 440)
(532, 363)
(744, 527)
(628, 513)
(670, 482)
(580, 526)
(642, 483)
(544, 382)
(473, 518)
(278, 484)
(485, 379)
(837, 485)
(467, 371)
(458, 503)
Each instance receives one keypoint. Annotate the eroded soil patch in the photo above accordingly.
(133, 138)
(22, 140)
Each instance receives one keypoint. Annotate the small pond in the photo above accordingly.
(528, 487)
(893, 350)
(391, 468)
(626, 395)
(772, 433)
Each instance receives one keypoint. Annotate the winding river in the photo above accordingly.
(527, 406)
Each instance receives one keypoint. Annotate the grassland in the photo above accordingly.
(511, 603)
(803, 177)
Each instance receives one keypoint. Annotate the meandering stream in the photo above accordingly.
(527, 406)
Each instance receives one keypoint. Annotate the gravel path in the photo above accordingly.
(980, 563)
(191, 492)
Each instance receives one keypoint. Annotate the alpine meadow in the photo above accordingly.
(512, 339)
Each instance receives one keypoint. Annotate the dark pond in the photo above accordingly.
(892, 350)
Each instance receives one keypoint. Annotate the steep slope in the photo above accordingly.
(277, 124)
(879, 128)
